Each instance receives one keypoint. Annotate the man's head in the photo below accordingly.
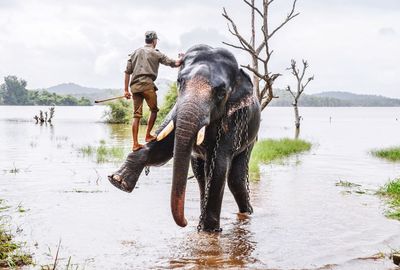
(151, 37)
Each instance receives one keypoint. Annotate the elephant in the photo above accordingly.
(214, 125)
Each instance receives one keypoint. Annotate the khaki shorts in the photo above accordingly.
(151, 99)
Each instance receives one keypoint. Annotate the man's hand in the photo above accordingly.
(180, 59)
(127, 94)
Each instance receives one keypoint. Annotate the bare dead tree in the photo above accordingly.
(48, 116)
(260, 53)
(299, 75)
(51, 110)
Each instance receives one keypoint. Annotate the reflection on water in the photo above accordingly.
(301, 219)
(123, 132)
(232, 248)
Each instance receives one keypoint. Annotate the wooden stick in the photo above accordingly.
(108, 99)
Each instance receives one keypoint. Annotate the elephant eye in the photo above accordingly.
(180, 81)
(221, 92)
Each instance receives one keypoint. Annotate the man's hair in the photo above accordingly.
(150, 36)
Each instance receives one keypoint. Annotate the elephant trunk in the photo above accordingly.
(189, 120)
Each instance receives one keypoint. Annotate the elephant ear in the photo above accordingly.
(242, 89)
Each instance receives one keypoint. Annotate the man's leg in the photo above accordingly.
(135, 130)
(137, 106)
(150, 124)
(151, 100)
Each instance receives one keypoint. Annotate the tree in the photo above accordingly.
(14, 91)
(169, 102)
(120, 112)
(262, 52)
(299, 75)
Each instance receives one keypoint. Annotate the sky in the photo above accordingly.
(351, 45)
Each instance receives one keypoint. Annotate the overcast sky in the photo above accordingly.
(351, 45)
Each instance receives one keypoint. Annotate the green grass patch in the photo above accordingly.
(103, 153)
(87, 150)
(266, 151)
(391, 153)
(11, 255)
(391, 191)
(21, 209)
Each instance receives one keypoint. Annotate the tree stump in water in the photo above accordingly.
(45, 117)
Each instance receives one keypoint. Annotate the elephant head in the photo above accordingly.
(209, 83)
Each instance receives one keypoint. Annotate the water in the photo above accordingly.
(301, 219)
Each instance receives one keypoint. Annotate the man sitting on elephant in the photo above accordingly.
(141, 71)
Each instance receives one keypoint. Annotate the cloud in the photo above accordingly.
(8, 4)
(199, 35)
(349, 44)
(105, 62)
(387, 31)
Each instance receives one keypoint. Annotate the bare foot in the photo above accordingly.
(150, 138)
(136, 147)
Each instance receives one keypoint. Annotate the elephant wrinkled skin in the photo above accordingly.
(213, 125)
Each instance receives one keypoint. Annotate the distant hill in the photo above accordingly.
(357, 100)
(92, 93)
(71, 89)
(335, 99)
(78, 91)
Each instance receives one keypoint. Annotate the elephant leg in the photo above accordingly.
(211, 219)
(237, 182)
(198, 171)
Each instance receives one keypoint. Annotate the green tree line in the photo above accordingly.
(13, 92)
(121, 111)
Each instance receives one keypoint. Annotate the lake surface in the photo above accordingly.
(301, 219)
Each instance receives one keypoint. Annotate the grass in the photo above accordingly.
(391, 153)
(58, 261)
(87, 150)
(351, 188)
(391, 191)
(11, 255)
(3, 207)
(346, 184)
(83, 191)
(21, 209)
(266, 151)
(14, 170)
(103, 153)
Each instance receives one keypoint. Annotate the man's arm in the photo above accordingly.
(128, 72)
(165, 60)
(126, 89)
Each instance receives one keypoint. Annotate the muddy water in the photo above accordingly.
(302, 220)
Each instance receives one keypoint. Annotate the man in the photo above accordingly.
(141, 71)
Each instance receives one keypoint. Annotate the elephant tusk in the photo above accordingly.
(200, 135)
(167, 130)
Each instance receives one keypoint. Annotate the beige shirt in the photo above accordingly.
(143, 67)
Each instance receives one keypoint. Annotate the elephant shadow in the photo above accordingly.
(231, 248)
